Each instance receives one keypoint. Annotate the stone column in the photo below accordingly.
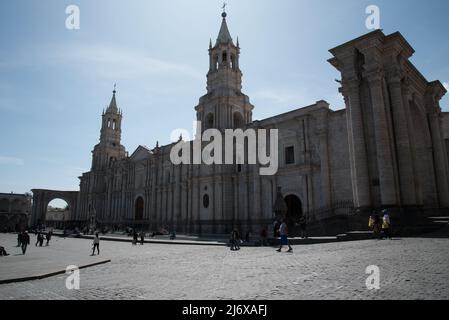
(357, 145)
(384, 156)
(440, 160)
(322, 133)
(403, 143)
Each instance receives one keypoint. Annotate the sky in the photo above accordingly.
(55, 82)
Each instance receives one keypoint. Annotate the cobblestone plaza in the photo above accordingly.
(410, 268)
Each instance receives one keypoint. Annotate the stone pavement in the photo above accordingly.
(411, 268)
(40, 262)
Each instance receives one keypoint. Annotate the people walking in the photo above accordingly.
(135, 236)
(25, 241)
(303, 227)
(235, 239)
(48, 237)
(377, 226)
(142, 238)
(40, 239)
(96, 244)
(283, 231)
(386, 223)
(19, 237)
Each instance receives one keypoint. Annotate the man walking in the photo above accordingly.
(283, 230)
(48, 237)
(142, 238)
(25, 241)
(386, 225)
(96, 244)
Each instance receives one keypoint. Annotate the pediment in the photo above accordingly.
(141, 153)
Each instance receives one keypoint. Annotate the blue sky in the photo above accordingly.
(55, 82)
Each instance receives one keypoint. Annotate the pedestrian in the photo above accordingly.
(283, 231)
(38, 238)
(25, 241)
(264, 236)
(377, 226)
(248, 236)
(386, 223)
(135, 237)
(303, 227)
(235, 239)
(142, 238)
(96, 244)
(371, 222)
(18, 239)
(48, 237)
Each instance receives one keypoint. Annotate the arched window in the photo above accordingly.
(206, 201)
(109, 123)
(216, 62)
(209, 121)
(232, 62)
(225, 57)
(113, 125)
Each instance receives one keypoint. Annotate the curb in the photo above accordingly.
(48, 275)
(106, 238)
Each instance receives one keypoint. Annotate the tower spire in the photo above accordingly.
(224, 36)
(113, 105)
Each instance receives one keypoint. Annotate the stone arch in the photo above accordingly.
(41, 199)
(294, 209)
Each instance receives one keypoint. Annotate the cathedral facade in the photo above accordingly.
(387, 148)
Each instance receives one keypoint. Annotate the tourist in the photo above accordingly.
(48, 237)
(283, 231)
(135, 238)
(371, 222)
(38, 236)
(25, 241)
(386, 223)
(173, 235)
(96, 244)
(235, 239)
(142, 238)
(377, 226)
(19, 237)
(303, 226)
(3, 252)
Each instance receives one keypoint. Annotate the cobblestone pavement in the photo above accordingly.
(412, 268)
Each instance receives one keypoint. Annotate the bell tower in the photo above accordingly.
(224, 106)
(109, 149)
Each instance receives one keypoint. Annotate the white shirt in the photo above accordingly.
(97, 240)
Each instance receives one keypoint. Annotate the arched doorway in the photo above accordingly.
(294, 210)
(139, 209)
(58, 212)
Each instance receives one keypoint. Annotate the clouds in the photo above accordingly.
(4, 161)
(114, 62)
(446, 85)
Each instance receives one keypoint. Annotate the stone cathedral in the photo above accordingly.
(387, 149)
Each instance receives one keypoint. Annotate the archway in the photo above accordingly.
(139, 209)
(58, 210)
(41, 199)
(294, 210)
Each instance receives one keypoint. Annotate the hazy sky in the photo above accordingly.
(55, 82)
